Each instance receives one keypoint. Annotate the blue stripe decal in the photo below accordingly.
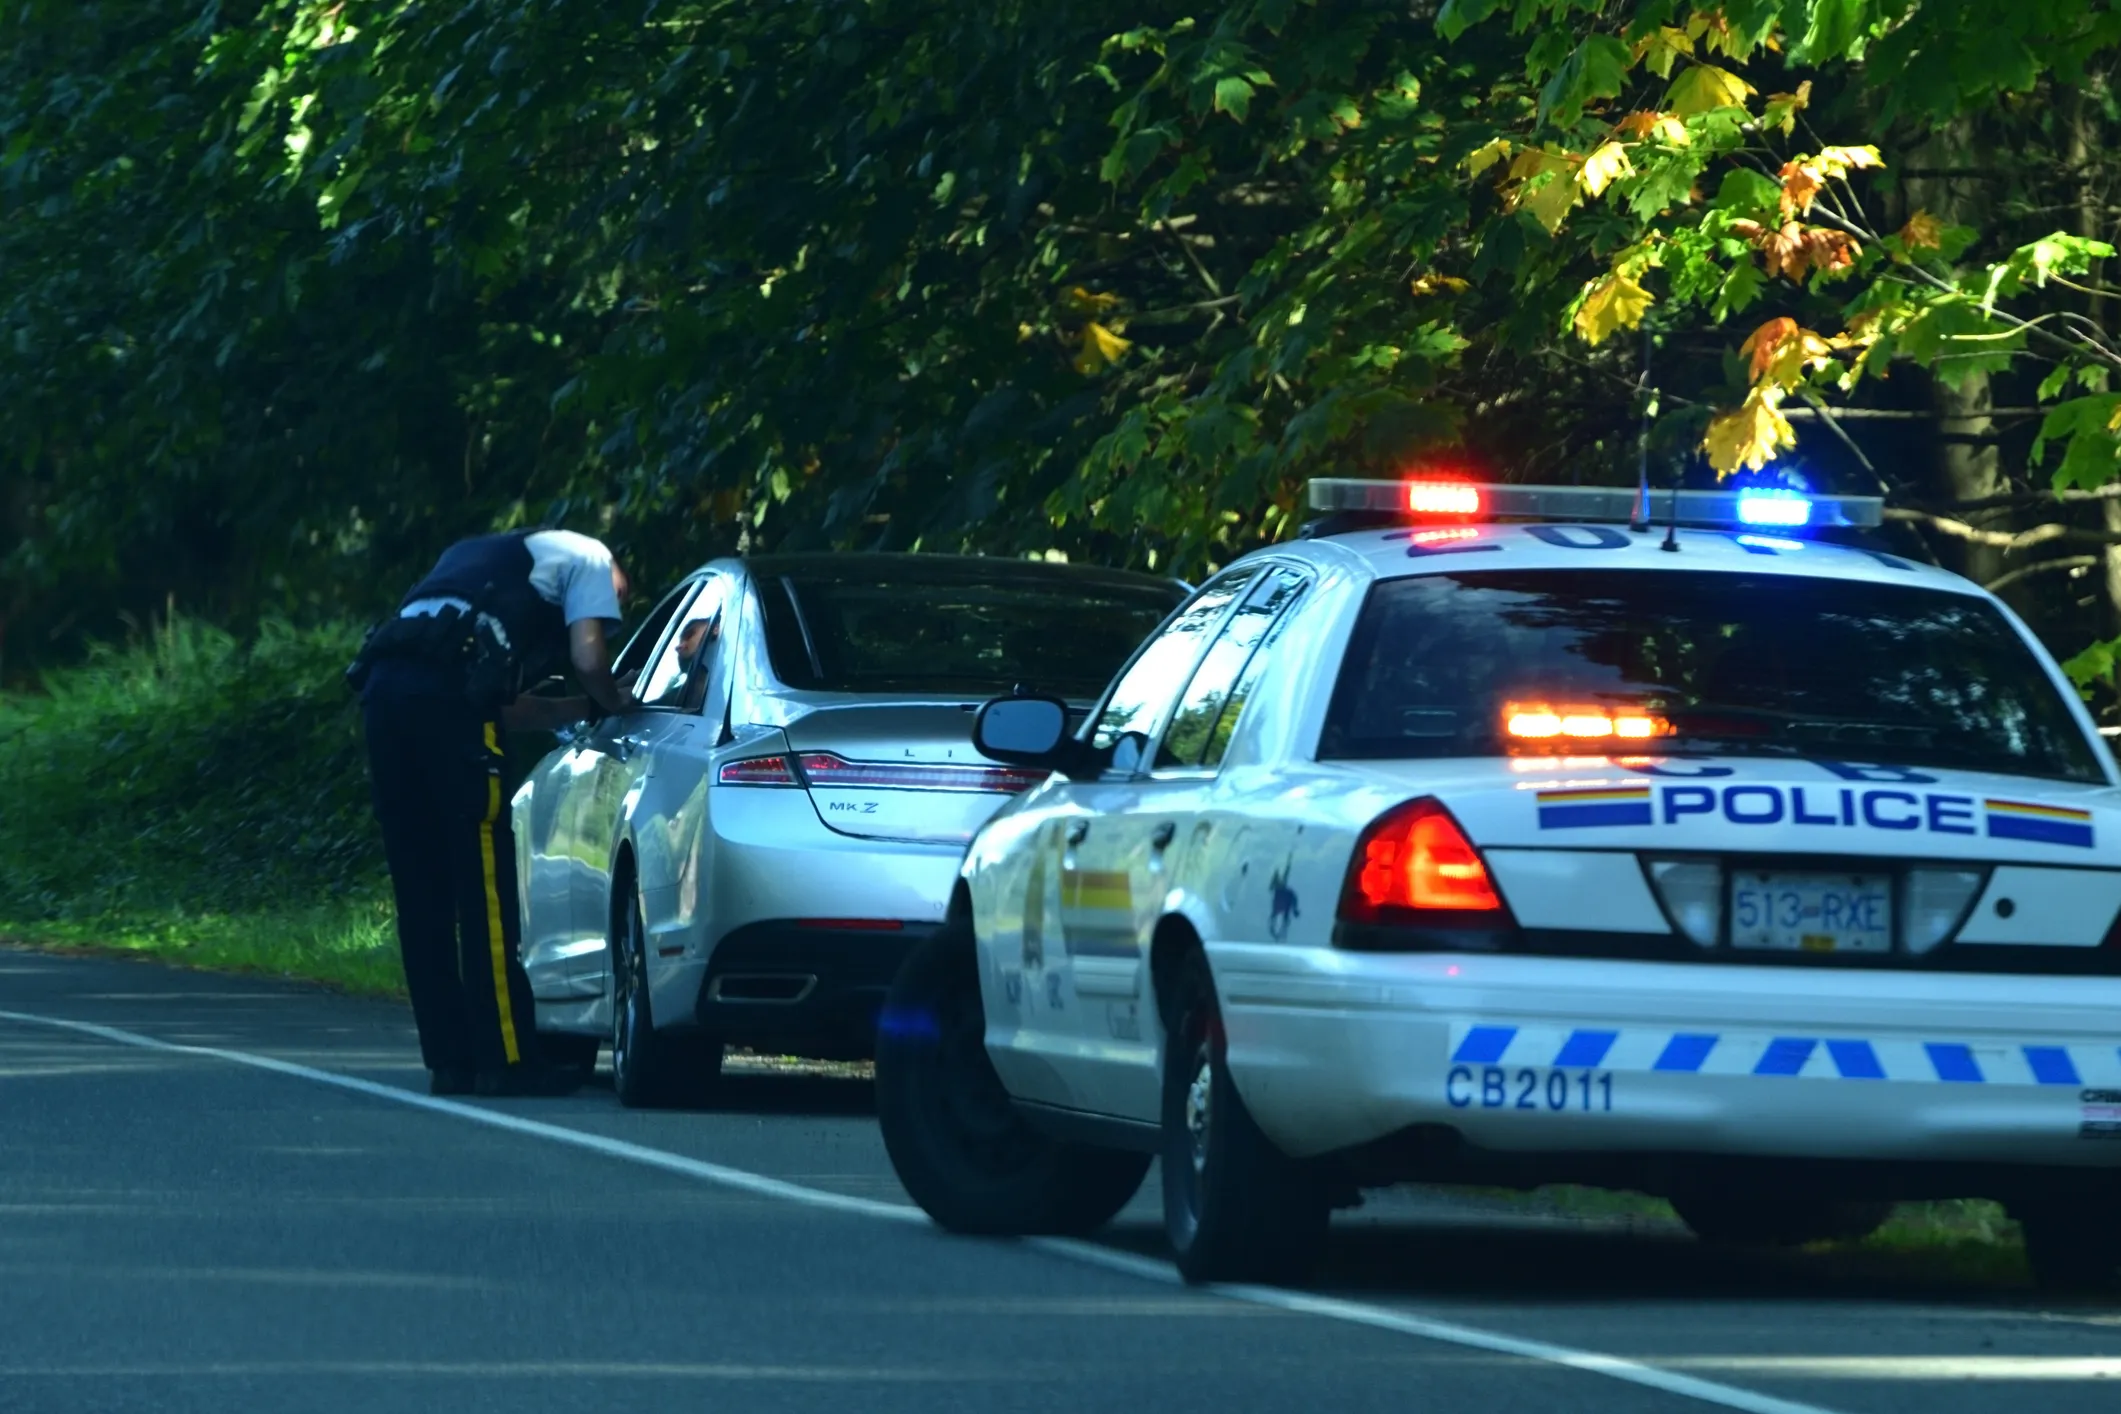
(1619, 812)
(1954, 1063)
(1484, 1045)
(1855, 1060)
(2052, 1065)
(2010, 827)
(1786, 1055)
(1585, 1048)
(1685, 1053)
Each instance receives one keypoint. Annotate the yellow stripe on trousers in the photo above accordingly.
(496, 940)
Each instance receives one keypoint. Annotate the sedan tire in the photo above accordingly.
(651, 1069)
(1236, 1209)
(960, 1147)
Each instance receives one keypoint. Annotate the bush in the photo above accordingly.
(188, 773)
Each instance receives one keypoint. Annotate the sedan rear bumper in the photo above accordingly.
(803, 986)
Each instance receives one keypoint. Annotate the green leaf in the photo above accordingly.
(1458, 16)
(1837, 30)
(1233, 95)
(1596, 69)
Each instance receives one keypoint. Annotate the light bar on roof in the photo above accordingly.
(1754, 506)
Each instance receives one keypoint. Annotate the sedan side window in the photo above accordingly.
(681, 668)
(1200, 730)
(633, 658)
(1152, 681)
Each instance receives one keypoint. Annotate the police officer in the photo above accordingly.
(439, 682)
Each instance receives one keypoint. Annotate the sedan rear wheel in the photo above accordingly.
(1235, 1207)
(960, 1148)
(651, 1069)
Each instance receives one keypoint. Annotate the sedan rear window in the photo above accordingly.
(912, 629)
(1738, 664)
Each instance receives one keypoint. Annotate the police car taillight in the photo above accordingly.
(1412, 861)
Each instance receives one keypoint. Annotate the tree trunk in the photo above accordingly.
(1961, 470)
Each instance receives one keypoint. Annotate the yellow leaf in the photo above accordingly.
(1545, 186)
(1612, 303)
(1662, 48)
(2113, 424)
(1783, 108)
(1922, 232)
(1703, 88)
(1100, 347)
(1604, 167)
(1749, 435)
(1481, 159)
(1840, 161)
(1439, 284)
(1083, 302)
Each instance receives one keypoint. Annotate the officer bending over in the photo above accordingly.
(439, 683)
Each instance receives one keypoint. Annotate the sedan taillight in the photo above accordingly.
(758, 771)
(825, 771)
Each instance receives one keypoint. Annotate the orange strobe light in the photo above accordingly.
(1545, 722)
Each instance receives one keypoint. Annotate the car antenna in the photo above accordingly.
(1671, 526)
(1639, 518)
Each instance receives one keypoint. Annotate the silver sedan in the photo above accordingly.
(748, 858)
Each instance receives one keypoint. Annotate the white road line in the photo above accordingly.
(1296, 1302)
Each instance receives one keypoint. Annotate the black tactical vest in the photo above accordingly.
(492, 574)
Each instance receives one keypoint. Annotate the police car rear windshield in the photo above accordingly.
(948, 630)
(1733, 664)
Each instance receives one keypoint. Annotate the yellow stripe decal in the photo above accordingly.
(495, 939)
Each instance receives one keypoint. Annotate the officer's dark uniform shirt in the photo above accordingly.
(435, 759)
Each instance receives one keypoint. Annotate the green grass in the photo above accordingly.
(348, 946)
(201, 800)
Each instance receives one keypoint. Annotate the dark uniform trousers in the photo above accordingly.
(435, 763)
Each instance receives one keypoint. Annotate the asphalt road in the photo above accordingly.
(283, 1227)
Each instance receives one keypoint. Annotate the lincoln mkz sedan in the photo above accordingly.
(747, 858)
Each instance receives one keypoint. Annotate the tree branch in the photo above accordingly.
(2068, 562)
(2001, 539)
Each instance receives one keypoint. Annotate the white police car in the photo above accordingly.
(1492, 836)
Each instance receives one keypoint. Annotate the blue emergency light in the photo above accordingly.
(1433, 500)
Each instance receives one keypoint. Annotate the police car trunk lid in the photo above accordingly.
(1585, 845)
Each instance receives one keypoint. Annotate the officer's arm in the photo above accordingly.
(591, 655)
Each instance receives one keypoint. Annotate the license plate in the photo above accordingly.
(1812, 912)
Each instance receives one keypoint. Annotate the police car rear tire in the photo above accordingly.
(1236, 1209)
(1761, 1220)
(2073, 1248)
(651, 1069)
(963, 1152)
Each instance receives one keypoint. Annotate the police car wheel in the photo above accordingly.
(960, 1147)
(651, 1069)
(1764, 1220)
(1235, 1207)
(2073, 1247)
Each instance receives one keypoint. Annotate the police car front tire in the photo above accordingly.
(1235, 1207)
(960, 1147)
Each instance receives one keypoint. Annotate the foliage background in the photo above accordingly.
(294, 292)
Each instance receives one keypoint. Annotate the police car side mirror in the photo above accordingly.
(1022, 731)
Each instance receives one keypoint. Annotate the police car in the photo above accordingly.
(1688, 844)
